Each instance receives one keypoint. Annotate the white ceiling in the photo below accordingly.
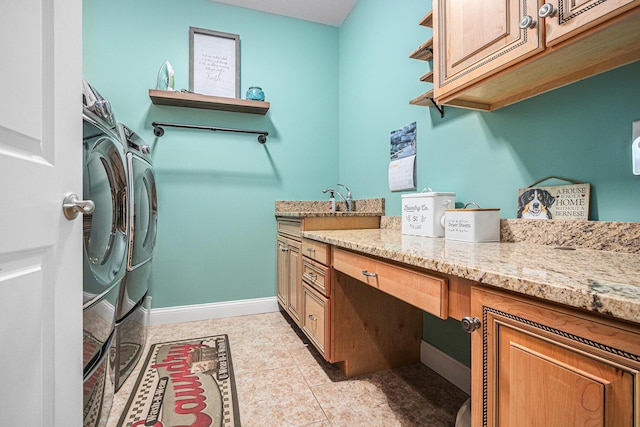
(329, 12)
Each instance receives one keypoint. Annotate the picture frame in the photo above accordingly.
(214, 63)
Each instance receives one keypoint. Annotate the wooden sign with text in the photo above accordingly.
(554, 202)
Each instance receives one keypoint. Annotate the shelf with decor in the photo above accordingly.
(196, 100)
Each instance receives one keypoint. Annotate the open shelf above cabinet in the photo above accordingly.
(195, 100)
(424, 52)
(424, 99)
(428, 77)
(427, 21)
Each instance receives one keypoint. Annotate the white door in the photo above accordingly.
(40, 250)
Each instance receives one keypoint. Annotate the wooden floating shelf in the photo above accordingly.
(428, 78)
(424, 52)
(427, 21)
(195, 100)
(423, 100)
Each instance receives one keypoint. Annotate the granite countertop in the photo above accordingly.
(314, 208)
(605, 282)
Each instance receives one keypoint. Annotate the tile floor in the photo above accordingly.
(282, 381)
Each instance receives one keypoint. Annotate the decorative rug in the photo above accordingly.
(185, 383)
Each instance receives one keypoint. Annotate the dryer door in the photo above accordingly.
(143, 211)
(105, 230)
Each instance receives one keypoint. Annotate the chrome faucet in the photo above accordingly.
(348, 200)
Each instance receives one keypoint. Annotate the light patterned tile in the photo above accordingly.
(257, 357)
(277, 397)
(410, 396)
(283, 381)
(314, 368)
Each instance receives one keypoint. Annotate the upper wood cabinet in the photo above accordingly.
(476, 39)
(485, 57)
(565, 19)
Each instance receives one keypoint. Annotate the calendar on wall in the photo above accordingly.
(402, 164)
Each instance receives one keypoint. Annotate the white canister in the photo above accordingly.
(422, 213)
(472, 225)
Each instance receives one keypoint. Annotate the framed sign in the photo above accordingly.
(554, 202)
(214, 63)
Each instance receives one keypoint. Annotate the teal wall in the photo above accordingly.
(582, 131)
(216, 191)
(336, 95)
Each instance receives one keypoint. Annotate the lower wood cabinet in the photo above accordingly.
(315, 318)
(292, 249)
(536, 364)
(289, 267)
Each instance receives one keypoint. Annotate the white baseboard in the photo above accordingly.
(215, 310)
(446, 366)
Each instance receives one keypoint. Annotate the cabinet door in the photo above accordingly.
(282, 272)
(528, 372)
(570, 17)
(295, 279)
(474, 39)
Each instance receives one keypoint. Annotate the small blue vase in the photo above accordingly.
(255, 93)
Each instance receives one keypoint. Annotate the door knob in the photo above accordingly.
(547, 11)
(527, 22)
(72, 206)
(470, 324)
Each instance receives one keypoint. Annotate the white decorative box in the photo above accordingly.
(422, 213)
(472, 225)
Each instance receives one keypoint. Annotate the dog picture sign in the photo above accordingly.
(554, 202)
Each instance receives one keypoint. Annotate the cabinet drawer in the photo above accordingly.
(317, 275)
(290, 227)
(315, 318)
(317, 251)
(427, 292)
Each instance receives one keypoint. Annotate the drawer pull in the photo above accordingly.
(368, 274)
(312, 317)
(311, 251)
(313, 276)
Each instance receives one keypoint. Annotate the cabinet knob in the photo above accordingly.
(312, 317)
(547, 11)
(527, 22)
(470, 324)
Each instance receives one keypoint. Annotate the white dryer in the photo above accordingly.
(134, 300)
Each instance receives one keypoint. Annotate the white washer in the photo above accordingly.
(133, 305)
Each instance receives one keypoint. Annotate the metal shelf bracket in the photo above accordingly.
(440, 108)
